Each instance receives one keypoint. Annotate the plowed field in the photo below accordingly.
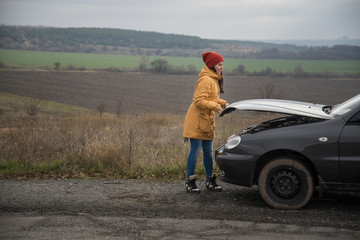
(139, 93)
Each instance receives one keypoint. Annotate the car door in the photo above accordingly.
(349, 151)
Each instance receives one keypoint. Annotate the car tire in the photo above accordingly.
(286, 183)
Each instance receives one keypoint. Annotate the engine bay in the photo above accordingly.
(281, 122)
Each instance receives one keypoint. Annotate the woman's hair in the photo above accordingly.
(221, 81)
(221, 85)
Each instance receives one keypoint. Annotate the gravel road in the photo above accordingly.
(134, 209)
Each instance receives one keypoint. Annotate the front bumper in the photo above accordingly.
(236, 168)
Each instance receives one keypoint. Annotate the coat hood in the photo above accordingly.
(210, 73)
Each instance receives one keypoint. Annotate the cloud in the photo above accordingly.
(226, 19)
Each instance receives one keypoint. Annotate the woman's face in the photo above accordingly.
(219, 67)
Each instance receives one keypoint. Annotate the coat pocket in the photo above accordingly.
(205, 123)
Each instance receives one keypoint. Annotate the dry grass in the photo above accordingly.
(92, 144)
(111, 146)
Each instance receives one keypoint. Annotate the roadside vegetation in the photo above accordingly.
(62, 141)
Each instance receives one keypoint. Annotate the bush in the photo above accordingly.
(298, 71)
(32, 106)
(160, 66)
(271, 90)
(70, 67)
(57, 65)
(239, 70)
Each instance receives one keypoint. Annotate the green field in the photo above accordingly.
(36, 59)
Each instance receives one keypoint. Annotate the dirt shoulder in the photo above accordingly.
(137, 205)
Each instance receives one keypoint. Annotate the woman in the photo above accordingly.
(199, 121)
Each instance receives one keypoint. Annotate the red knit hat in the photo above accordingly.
(212, 58)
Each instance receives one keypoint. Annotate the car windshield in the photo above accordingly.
(345, 106)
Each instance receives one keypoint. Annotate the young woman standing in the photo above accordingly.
(200, 119)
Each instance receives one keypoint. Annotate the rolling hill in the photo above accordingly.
(131, 42)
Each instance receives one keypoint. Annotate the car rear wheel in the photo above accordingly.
(286, 183)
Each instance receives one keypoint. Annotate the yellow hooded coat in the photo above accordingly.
(199, 120)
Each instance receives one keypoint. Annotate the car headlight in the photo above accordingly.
(233, 141)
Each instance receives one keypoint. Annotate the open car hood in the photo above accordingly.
(280, 106)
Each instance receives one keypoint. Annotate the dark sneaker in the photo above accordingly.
(191, 185)
(212, 185)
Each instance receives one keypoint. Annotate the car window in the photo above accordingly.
(355, 118)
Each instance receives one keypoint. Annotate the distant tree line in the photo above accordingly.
(120, 41)
(114, 37)
(161, 66)
(337, 52)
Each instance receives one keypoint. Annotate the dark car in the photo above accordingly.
(287, 157)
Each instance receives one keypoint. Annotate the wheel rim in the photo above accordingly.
(285, 183)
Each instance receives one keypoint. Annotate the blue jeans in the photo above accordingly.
(195, 149)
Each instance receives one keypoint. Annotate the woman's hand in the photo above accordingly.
(221, 109)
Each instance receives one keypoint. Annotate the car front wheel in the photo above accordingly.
(286, 183)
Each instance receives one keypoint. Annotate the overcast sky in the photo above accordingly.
(219, 19)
